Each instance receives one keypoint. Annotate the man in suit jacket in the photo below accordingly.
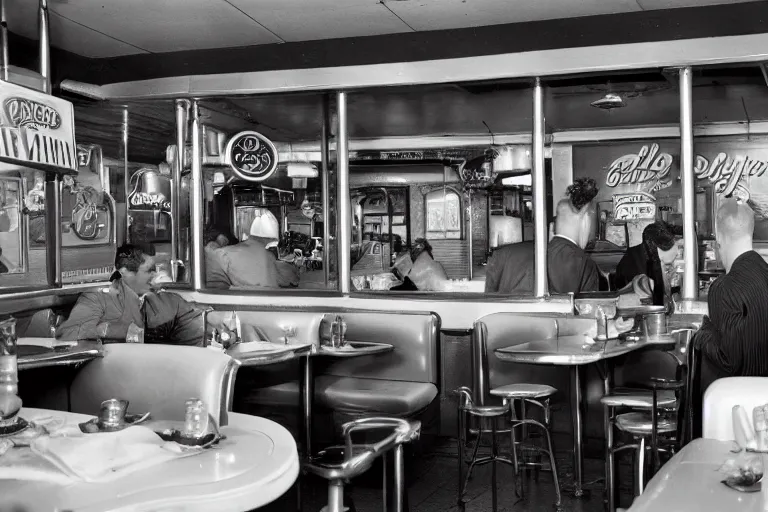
(733, 339)
(569, 268)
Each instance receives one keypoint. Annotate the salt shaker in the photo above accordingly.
(195, 418)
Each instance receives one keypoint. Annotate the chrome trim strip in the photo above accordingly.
(228, 391)
(561, 61)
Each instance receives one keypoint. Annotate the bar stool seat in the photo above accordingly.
(639, 399)
(488, 411)
(523, 391)
(641, 424)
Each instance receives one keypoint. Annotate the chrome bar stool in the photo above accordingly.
(339, 464)
(537, 395)
(488, 417)
(655, 416)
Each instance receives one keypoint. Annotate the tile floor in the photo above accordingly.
(432, 480)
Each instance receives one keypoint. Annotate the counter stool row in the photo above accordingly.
(495, 420)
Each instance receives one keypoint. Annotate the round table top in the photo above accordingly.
(256, 464)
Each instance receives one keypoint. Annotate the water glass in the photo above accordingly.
(195, 418)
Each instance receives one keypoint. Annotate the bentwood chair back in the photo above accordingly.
(720, 398)
(156, 379)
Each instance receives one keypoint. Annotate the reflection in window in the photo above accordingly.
(11, 246)
(443, 212)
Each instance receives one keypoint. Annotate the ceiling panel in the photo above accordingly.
(168, 25)
(674, 4)
(445, 14)
(22, 20)
(295, 20)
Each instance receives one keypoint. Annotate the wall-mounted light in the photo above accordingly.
(609, 102)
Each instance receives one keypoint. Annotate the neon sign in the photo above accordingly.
(647, 166)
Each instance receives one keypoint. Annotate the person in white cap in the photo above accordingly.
(250, 265)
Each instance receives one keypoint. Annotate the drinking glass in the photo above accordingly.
(10, 403)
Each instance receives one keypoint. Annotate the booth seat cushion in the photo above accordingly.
(354, 395)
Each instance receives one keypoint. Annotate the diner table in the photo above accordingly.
(256, 463)
(691, 482)
(577, 352)
(45, 352)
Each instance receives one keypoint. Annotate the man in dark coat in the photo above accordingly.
(733, 339)
(569, 268)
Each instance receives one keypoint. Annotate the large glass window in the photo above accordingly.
(443, 214)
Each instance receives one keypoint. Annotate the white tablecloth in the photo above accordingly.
(256, 464)
(690, 482)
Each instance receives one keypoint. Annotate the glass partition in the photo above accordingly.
(23, 260)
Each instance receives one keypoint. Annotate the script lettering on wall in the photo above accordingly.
(727, 174)
(634, 206)
(647, 166)
(36, 129)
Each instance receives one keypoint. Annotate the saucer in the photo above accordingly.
(95, 426)
(755, 487)
(171, 431)
(10, 430)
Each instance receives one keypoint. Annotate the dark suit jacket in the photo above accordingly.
(733, 339)
(633, 263)
(569, 269)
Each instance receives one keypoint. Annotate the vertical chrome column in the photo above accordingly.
(344, 211)
(690, 288)
(126, 176)
(182, 108)
(4, 59)
(539, 193)
(196, 202)
(470, 245)
(45, 46)
(53, 228)
(326, 191)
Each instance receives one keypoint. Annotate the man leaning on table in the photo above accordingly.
(733, 339)
(129, 304)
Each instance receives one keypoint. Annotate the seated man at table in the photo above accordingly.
(129, 303)
(733, 339)
(569, 268)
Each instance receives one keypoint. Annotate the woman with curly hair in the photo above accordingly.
(569, 269)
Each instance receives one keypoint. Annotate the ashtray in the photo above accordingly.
(95, 425)
(741, 485)
(173, 431)
(18, 426)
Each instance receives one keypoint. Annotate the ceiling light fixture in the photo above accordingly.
(609, 102)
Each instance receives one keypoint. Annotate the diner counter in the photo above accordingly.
(691, 482)
(254, 465)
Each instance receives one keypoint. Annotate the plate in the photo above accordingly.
(10, 430)
(95, 426)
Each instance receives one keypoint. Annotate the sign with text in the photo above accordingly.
(729, 174)
(648, 166)
(251, 156)
(635, 206)
(151, 191)
(36, 130)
